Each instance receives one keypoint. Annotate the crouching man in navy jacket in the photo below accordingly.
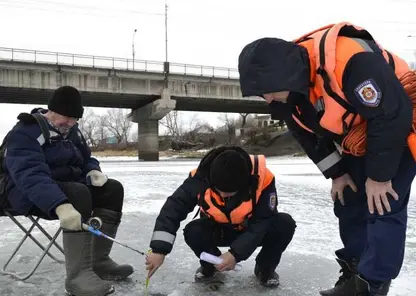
(49, 171)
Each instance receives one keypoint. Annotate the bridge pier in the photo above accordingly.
(148, 118)
(149, 140)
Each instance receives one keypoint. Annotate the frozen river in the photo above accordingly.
(307, 265)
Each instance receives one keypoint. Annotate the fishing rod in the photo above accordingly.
(93, 226)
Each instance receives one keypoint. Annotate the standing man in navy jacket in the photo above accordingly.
(57, 177)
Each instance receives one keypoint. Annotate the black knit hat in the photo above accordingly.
(270, 65)
(230, 172)
(66, 101)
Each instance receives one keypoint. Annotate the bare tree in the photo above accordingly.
(173, 124)
(88, 126)
(194, 124)
(230, 124)
(118, 124)
(101, 132)
(244, 119)
(196, 128)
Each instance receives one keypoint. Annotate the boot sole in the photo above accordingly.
(114, 277)
(205, 280)
(213, 284)
(106, 276)
(270, 285)
(78, 293)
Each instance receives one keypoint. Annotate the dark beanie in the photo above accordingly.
(66, 101)
(230, 172)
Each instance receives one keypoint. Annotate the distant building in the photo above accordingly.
(108, 141)
(412, 65)
(111, 140)
(261, 121)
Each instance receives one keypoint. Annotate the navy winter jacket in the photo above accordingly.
(33, 165)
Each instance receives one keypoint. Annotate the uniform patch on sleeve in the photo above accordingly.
(368, 93)
(272, 201)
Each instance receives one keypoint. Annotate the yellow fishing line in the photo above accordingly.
(146, 285)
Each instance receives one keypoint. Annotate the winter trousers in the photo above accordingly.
(87, 198)
(377, 242)
(205, 235)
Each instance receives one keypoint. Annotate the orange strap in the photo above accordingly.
(356, 141)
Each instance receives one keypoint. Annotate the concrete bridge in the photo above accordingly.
(150, 89)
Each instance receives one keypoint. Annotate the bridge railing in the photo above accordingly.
(70, 59)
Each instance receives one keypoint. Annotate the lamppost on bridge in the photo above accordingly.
(134, 53)
(412, 63)
(166, 30)
(166, 63)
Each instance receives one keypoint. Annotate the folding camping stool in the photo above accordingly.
(35, 223)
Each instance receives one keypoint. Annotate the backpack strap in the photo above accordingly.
(3, 178)
(3, 144)
(44, 127)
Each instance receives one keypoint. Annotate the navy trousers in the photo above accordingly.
(378, 242)
(205, 235)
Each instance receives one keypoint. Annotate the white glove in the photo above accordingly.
(69, 217)
(96, 178)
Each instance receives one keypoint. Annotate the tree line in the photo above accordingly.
(180, 133)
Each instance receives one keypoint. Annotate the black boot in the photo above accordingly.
(103, 265)
(205, 274)
(365, 289)
(267, 277)
(345, 282)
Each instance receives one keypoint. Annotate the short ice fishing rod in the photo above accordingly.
(95, 224)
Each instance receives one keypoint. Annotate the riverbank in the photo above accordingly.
(134, 153)
(283, 145)
(170, 154)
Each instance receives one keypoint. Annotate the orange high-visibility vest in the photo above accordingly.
(330, 48)
(210, 202)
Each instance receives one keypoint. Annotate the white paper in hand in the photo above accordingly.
(216, 260)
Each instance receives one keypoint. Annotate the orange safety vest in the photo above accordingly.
(330, 48)
(209, 201)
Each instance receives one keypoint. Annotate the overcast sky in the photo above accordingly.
(199, 32)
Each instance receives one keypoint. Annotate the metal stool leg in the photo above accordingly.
(52, 241)
(58, 246)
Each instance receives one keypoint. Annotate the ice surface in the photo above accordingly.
(306, 266)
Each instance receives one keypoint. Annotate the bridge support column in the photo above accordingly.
(149, 140)
(148, 119)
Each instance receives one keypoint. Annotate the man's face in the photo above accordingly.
(279, 96)
(62, 123)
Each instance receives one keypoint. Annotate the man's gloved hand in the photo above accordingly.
(96, 178)
(69, 217)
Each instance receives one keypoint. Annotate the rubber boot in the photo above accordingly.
(205, 274)
(365, 289)
(103, 265)
(345, 282)
(268, 278)
(81, 280)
